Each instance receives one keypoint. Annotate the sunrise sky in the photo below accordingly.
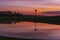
(28, 6)
(25, 28)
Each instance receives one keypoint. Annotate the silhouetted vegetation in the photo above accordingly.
(12, 38)
(8, 17)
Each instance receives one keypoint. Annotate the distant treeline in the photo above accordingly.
(8, 17)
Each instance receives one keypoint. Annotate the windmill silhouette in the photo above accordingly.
(35, 19)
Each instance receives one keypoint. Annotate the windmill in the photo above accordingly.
(35, 20)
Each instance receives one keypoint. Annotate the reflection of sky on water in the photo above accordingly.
(26, 30)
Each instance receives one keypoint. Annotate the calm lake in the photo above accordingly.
(26, 30)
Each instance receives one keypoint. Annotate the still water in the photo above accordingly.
(26, 30)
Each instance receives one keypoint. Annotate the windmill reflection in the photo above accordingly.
(35, 19)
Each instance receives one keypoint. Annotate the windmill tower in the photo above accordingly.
(35, 20)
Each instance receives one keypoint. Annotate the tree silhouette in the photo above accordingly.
(9, 17)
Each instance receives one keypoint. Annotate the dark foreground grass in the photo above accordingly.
(11, 38)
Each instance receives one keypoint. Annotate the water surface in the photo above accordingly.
(26, 30)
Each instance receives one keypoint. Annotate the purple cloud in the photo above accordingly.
(28, 2)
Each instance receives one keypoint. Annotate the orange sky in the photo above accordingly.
(29, 10)
(28, 6)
